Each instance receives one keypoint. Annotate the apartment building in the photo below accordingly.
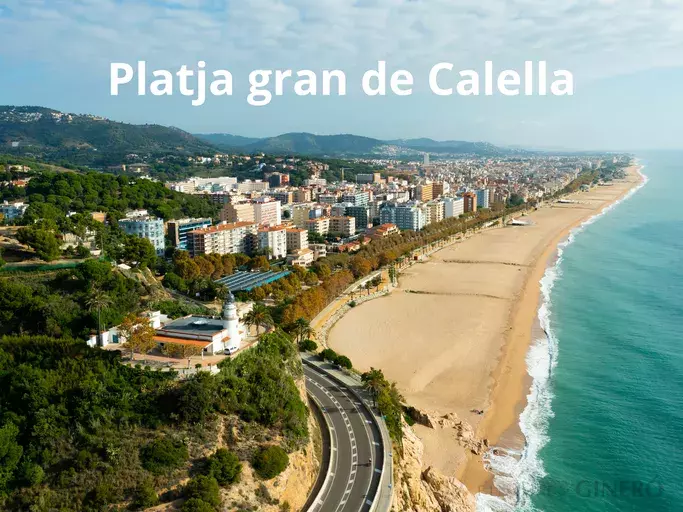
(483, 198)
(145, 226)
(470, 202)
(237, 212)
(424, 192)
(404, 215)
(320, 226)
(301, 214)
(233, 238)
(178, 231)
(356, 198)
(297, 238)
(302, 195)
(453, 207)
(285, 197)
(267, 211)
(273, 239)
(346, 226)
(361, 214)
(436, 210)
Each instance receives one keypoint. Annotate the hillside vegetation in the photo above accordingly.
(86, 139)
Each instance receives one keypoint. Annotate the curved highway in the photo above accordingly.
(355, 447)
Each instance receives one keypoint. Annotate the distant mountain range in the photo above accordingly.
(349, 145)
(87, 139)
(97, 141)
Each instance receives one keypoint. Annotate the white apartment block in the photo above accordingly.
(453, 207)
(252, 186)
(237, 237)
(273, 238)
(144, 226)
(267, 212)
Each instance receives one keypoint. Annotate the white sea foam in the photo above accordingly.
(517, 475)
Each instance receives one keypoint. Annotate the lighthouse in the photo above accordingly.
(231, 323)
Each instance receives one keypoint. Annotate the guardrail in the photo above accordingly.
(384, 495)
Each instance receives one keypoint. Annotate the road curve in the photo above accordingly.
(355, 446)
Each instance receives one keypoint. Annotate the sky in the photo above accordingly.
(625, 55)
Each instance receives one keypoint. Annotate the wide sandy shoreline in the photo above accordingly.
(454, 335)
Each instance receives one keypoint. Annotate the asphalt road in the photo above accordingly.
(355, 465)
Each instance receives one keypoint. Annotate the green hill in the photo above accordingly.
(347, 145)
(87, 139)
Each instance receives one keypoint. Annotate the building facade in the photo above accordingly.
(470, 202)
(237, 237)
(483, 198)
(144, 226)
(453, 207)
(361, 214)
(346, 226)
(297, 238)
(237, 212)
(178, 231)
(267, 212)
(274, 240)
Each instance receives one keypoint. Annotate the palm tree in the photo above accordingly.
(96, 301)
(373, 382)
(259, 316)
(303, 329)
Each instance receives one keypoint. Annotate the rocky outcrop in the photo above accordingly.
(463, 431)
(289, 490)
(416, 490)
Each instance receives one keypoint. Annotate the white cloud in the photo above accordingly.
(591, 38)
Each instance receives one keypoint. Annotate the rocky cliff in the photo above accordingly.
(425, 490)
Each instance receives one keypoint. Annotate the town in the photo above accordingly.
(206, 279)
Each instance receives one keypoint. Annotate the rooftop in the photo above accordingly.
(198, 328)
(246, 281)
(222, 227)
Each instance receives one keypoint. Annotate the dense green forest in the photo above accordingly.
(80, 431)
(57, 304)
(92, 191)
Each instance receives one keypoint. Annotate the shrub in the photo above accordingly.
(344, 362)
(308, 346)
(144, 496)
(162, 455)
(204, 488)
(353, 304)
(270, 461)
(197, 505)
(224, 466)
(329, 355)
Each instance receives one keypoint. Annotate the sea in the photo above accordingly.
(603, 424)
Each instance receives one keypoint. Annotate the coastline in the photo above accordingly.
(509, 395)
(481, 364)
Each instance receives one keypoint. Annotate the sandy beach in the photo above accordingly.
(455, 333)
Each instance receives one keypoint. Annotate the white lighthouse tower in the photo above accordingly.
(231, 322)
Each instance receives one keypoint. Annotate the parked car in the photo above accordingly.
(230, 351)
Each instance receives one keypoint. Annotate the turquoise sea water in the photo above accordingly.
(604, 424)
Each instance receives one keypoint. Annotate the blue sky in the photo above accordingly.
(626, 57)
